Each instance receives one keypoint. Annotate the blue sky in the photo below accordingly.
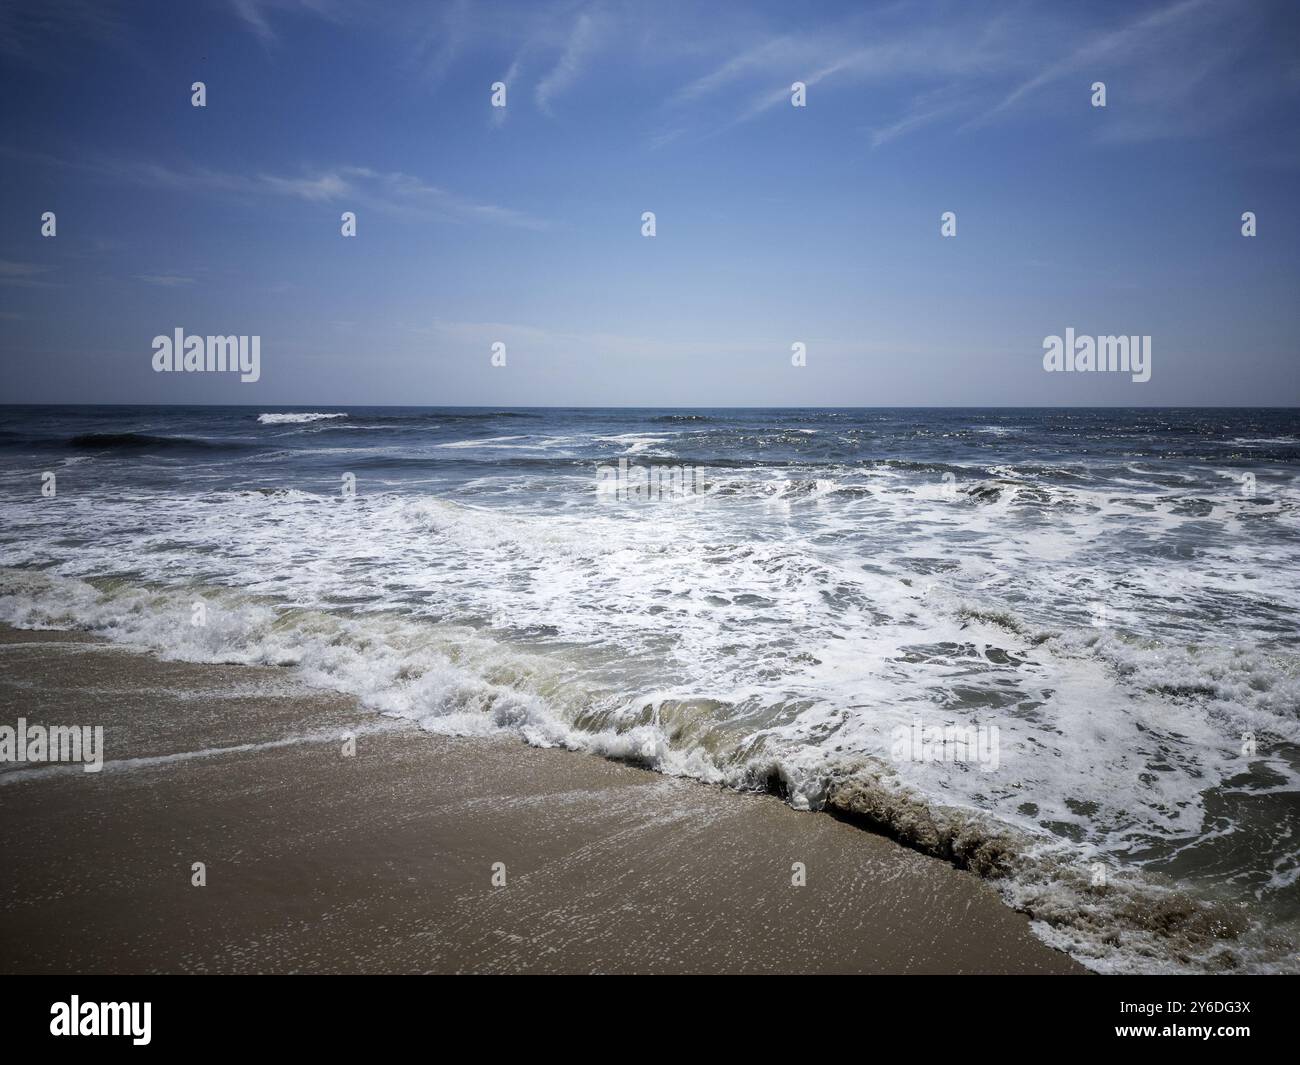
(775, 224)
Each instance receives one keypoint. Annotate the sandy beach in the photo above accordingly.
(383, 861)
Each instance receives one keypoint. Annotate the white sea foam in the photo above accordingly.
(638, 443)
(490, 441)
(787, 623)
(294, 419)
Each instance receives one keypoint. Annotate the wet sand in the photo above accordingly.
(383, 861)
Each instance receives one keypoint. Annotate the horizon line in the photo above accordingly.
(502, 406)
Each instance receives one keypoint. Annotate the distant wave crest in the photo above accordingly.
(295, 419)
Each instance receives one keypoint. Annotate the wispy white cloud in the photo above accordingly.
(665, 137)
(885, 51)
(165, 280)
(24, 275)
(391, 192)
(920, 115)
(1106, 47)
(401, 193)
(859, 63)
(255, 14)
(440, 43)
(778, 50)
(582, 43)
(554, 40)
(965, 67)
(319, 188)
(250, 12)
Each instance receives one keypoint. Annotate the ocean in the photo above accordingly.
(1056, 646)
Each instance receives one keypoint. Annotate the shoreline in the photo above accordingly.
(385, 860)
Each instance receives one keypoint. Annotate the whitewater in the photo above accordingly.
(1116, 592)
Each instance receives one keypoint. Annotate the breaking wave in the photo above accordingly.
(295, 419)
(455, 680)
(1117, 594)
